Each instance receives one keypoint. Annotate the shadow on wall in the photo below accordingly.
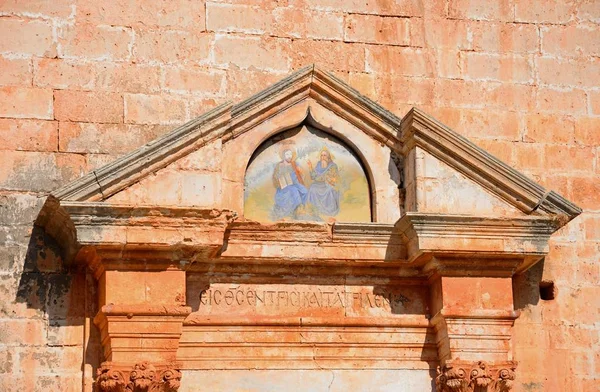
(396, 171)
(396, 249)
(66, 297)
(526, 287)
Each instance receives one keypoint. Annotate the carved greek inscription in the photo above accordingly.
(241, 296)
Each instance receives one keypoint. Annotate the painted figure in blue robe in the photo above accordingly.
(291, 192)
(323, 194)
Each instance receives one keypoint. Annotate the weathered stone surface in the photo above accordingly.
(27, 37)
(25, 102)
(517, 78)
(38, 171)
(440, 189)
(88, 106)
(96, 42)
(358, 295)
(29, 135)
(113, 139)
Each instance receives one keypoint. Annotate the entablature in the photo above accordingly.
(129, 238)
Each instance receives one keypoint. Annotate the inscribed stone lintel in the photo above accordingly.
(306, 228)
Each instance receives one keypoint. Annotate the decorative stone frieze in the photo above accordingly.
(141, 377)
(457, 376)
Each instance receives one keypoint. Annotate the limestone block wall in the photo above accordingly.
(82, 82)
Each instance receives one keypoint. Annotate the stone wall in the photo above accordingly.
(83, 82)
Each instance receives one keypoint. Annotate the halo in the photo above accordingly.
(288, 145)
(331, 157)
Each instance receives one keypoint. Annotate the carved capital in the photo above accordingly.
(458, 376)
(141, 377)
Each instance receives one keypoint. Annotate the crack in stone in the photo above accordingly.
(332, 380)
(99, 186)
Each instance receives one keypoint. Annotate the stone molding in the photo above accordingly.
(102, 236)
(482, 333)
(88, 230)
(141, 377)
(455, 244)
(459, 376)
(149, 330)
(369, 242)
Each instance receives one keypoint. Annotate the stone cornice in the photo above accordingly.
(120, 236)
(528, 228)
(103, 215)
(494, 175)
(377, 233)
(434, 224)
(87, 230)
(462, 244)
(313, 243)
(102, 235)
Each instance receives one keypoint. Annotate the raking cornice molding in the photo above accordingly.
(422, 130)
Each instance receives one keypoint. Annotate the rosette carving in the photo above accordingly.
(142, 377)
(475, 377)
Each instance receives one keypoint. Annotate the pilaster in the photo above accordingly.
(473, 320)
(141, 320)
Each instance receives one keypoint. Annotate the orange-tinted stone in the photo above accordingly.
(84, 82)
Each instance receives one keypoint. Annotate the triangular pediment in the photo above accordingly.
(478, 177)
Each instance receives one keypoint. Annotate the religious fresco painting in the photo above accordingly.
(304, 174)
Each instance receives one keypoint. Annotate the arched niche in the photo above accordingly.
(306, 174)
(376, 158)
